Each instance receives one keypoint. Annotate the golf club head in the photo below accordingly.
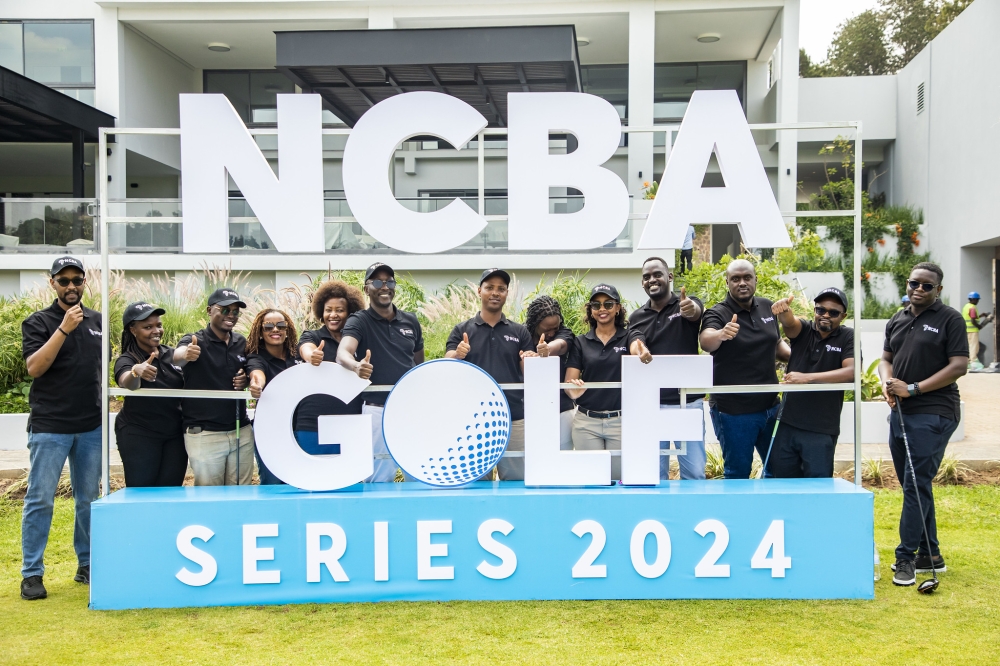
(928, 586)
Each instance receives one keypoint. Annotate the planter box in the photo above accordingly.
(15, 432)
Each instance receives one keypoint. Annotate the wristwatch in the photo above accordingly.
(913, 388)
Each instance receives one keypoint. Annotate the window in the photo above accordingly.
(59, 54)
(254, 93)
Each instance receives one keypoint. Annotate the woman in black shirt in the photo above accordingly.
(596, 357)
(149, 430)
(333, 302)
(271, 348)
(551, 337)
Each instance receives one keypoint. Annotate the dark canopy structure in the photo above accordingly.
(31, 112)
(355, 69)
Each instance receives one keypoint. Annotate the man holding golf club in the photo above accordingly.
(924, 353)
(822, 353)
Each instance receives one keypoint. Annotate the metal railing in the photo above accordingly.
(48, 225)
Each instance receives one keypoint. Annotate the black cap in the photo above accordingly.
(836, 293)
(490, 272)
(225, 296)
(378, 266)
(66, 262)
(605, 289)
(139, 311)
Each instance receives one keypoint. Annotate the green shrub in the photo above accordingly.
(708, 282)
(12, 312)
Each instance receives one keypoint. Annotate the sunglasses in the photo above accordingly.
(378, 284)
(65, 282)
(926, 286)
(833, 312)
(235, 312)
(270, 326)
(607, 305)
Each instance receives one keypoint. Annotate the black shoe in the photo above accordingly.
(32, 588)
(923, 564)
(905, 574)
(83, 575)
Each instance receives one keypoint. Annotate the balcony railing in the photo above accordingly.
(48, 226)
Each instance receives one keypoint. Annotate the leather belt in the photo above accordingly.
(600, 415)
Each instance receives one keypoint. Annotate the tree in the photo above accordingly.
(907, 22)
(809, 69)
(860, 47)
(947, 13)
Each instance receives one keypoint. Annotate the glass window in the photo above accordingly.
(85, 95)
(674, 84)
(12, 47)
(264, 90)
(233, 84)
(59, 53)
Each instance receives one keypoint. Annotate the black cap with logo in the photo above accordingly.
(605, 289)
(378, 266)
(139, 311)
(836, 293)
(66, 262)
(490, 272)
(224, 297)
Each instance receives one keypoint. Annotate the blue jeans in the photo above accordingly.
(49, 452)
(739, 435)
(693, 463)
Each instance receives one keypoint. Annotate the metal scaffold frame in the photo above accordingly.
(104, 220)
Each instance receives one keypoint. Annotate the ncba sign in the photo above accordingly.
(215, 142)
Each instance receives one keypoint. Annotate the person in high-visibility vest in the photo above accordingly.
(972, 324)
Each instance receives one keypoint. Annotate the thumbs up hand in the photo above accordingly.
(543, 347)
(364, 368)
(192, 351)
(256, 385)
(463, 348)
(316, 357)
(730, 330)
(782, 305)
(689, 309)
(640, 350)
(147, 370)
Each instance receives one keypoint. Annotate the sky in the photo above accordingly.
(818, 19)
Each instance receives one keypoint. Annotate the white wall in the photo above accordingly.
(870, 99)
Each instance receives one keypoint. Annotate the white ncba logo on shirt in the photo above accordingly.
(931, 329)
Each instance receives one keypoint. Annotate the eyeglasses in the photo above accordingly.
(378, 284)
(833, 312)
(270, 326)
(226, 312)
(607, 305)
(926, 286)
(65, 282)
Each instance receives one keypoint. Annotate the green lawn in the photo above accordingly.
(958, 625)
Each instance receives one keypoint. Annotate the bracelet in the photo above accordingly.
(132, 370)
(59, 328)
(916, 388)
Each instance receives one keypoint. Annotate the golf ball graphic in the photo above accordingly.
(453, 434)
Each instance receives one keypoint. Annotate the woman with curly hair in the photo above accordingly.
(271, 349)
(551, 337)
(596, 357)
(333, 302)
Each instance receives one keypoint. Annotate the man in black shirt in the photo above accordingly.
(392, 343)
(822, 353)
(62, 349)
(742, 335)
(668, 325)
(498, 346)
(214, 359)
(924, 353)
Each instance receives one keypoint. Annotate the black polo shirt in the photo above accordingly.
(160, 416)
(271, 366)
(214, 371)
(746, 359)
(393, 342)
(599, 362)
(921, 346)
(564, 333)
(312, 407)
(497, 350)
(67, 398)
(817, 411)
(666, 333)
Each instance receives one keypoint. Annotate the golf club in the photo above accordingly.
(777, 421)
(238, 442)
(928, 586)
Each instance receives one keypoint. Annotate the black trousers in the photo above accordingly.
(151, 459)
(686, 257)
(928, 435)
(802, 453)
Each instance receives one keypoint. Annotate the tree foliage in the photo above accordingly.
(860, 47)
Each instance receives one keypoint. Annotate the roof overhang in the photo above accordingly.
(355, 69)
(34, 113)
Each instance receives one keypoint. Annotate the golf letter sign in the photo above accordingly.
(216, 145)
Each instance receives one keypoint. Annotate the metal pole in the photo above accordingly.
(481, 158)
(102, 177)
(858, 306)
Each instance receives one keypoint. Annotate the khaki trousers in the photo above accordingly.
(213, 457)
(590, 434)
(973, 345)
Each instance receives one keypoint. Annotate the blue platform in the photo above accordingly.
(824, 527)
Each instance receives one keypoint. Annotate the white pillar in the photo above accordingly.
(641, 60)
(381, 18)
(788, 107)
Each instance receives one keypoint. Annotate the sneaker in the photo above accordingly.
(32, 588)
(83, 575)
(905, 574)
(923, 564)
